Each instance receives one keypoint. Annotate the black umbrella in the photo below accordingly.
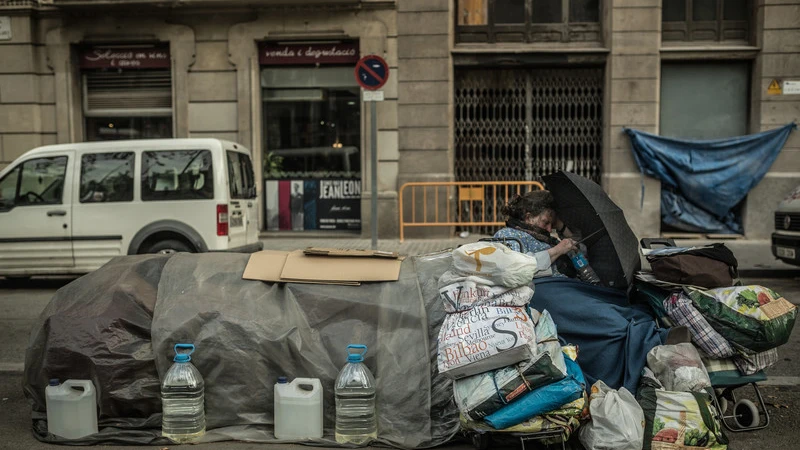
(583, 205)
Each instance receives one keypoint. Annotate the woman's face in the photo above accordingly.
(545, 220)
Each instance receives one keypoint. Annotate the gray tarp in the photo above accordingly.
(247, 333)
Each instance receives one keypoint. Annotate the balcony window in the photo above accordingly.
(528, 21)
(707, 20)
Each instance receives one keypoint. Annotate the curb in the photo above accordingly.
(12, 368)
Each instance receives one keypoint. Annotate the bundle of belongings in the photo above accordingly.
(117, 326)
(510, 370)
(696, 288)
(675, 394)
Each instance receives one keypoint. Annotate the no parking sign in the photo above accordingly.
(372, 72)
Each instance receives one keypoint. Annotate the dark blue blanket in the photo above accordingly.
(613, 337)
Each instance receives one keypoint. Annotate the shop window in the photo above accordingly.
(127, 92)
(107, 177)
(177, 175)
(706, 20)
(312, 123)
(312, 142)
(527, 21)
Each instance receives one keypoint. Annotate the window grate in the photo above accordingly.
(523, 124)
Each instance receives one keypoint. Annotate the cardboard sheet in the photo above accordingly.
(297, 267)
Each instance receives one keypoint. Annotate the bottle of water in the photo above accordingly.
(356, 422)
(182, 391)
(585, 271)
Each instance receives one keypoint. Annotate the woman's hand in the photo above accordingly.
(562, 229)
(562, 248)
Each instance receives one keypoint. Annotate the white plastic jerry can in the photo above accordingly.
(298, 409)
(71, 408)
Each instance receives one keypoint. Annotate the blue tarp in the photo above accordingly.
(702, 181)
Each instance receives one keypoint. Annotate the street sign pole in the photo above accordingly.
(373, 115)
(371, 74)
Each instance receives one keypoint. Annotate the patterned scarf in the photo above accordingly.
(538, 233)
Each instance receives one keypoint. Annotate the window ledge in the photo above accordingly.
(581, 47)
(710, 48)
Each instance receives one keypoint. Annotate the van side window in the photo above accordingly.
(41, 182)
(177, 175)
(107, 177)
(8, 189)
(241, 179)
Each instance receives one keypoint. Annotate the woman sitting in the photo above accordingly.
(530, 219)
(613, 337)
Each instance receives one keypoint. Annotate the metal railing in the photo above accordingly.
(457, 203)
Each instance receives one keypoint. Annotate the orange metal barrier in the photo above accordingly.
(457, 203)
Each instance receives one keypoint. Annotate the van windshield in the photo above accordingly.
(241, 179)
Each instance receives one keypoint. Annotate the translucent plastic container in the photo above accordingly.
(71, 408)
(356, 421)
(182, 395)
(298, 409)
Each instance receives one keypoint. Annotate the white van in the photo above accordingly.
(786, 238)
(70, 208)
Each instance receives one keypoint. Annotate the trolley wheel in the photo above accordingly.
(481, 441)
(745, 414)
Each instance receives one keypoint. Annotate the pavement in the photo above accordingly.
(754, 256)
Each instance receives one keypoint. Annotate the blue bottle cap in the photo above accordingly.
(282, 380)
(183, 357)
(356, 357)
(54, 382)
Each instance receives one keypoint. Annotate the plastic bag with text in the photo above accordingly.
(485, 338)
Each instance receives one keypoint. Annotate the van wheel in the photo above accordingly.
(169, 247)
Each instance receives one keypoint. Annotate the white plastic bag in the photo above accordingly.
(679, 367)
(491, 263)
(617, 420)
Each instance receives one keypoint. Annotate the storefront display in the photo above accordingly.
(331, 204)
(312, 136)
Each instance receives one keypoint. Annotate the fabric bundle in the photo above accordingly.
(754, 318)
(480, 395)
(681, 309)
(508, 366)
(485, 293)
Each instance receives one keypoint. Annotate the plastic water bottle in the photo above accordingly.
(182, 395)
(585, 271)
(356, 422)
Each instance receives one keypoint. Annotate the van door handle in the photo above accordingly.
(249, 204)
(56, 212)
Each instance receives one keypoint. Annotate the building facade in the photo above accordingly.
(479, 90)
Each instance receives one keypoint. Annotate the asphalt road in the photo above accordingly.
(20, 304)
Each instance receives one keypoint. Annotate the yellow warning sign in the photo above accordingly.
(774, 88)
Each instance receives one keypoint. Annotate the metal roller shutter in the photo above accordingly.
(133, 92)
